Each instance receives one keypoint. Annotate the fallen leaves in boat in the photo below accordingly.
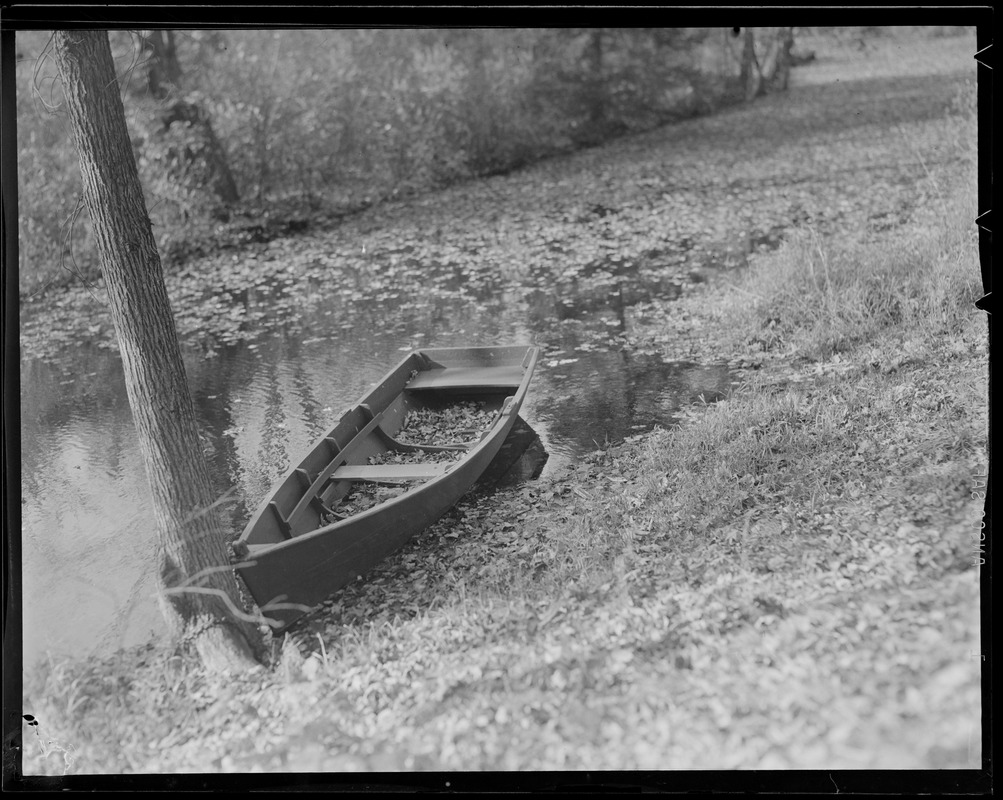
(416, 456)
(462, 423)
(363, 497)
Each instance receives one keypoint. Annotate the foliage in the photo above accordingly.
(53, 234)
(176, 161)
(339, 119)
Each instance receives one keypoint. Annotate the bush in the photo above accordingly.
(53, 231)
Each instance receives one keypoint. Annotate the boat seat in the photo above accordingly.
(377, 473)
(508, 377)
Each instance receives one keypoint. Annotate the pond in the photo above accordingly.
(88, 534)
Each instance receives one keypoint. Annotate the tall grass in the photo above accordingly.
(821, 295)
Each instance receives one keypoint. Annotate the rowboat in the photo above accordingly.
(392, 465)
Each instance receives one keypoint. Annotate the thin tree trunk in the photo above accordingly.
(782, 73)
(751, 77)
(483, 151)
(597, 87)
(776, 64)
(172, 67)
(770, 60)
(193, 535)
(164, 68)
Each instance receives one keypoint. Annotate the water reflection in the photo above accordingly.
(521, 458)
(88, 539)
(588, 400)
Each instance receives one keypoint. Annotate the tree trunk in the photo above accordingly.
(782, 71)
(483, 150)
(771, 61)
(193, 535)
(776, 65)
(164, 68)
(596, 84)
(750, 76)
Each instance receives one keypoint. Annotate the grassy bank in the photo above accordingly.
(786, 579)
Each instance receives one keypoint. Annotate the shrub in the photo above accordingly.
(53, 231)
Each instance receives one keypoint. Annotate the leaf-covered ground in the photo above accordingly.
(786, 580)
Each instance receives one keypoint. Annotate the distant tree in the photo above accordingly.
(773, 73)
(199, 589)
(749, 77)
(779, 70)
(163, 68)
(606, 81)
(193, 151)
(180, 142)
(596, 91)
(572, 79)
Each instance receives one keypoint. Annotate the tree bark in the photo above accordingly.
(197, 582)
(770, 61)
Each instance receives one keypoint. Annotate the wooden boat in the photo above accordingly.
(311, 537)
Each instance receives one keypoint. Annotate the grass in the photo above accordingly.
(823, 297)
